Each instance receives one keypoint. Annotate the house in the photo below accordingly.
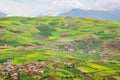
(4, 47)
(42, 64)
(8, 63)
(69, 65)
(93, 51)
(71, 49)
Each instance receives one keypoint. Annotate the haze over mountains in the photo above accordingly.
(98, 14)
(105, 15)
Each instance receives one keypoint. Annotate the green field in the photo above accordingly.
(73, 48)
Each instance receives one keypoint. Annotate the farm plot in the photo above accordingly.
(86, 69)
(98, 67)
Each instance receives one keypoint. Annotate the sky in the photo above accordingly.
(54, 7)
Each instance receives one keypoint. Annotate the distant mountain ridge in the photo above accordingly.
(2, 14)
(105, 15)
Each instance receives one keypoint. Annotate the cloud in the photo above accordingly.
(54, 7)
(107, 5)
(23, 7)
(59, 6)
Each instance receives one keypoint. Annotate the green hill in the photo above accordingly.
(25, 31)
(61, 34)
(92, 45)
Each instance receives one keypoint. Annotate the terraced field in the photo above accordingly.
(60, 48)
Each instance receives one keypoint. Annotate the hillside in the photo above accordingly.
(71, 47)
(68, 34)
(21, 31)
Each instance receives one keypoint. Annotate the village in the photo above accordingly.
(33, 70)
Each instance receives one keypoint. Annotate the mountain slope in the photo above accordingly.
(105, 15)
(60, 32)
(2, 14)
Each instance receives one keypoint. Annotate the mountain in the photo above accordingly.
(105, 15)
(2, 14)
